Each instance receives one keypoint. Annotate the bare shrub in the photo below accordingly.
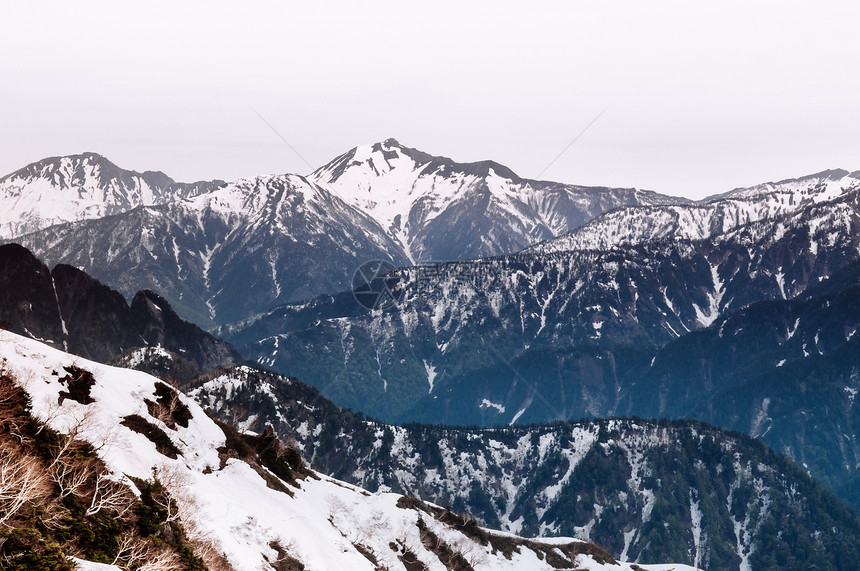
(22, 482)
(110, 495)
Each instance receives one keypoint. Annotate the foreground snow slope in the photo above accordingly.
(321, 522)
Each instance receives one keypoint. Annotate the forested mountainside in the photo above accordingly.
(647, 490)
(452, 319)
(539, 337)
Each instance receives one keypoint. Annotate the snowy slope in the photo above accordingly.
(81, 187)
(424, 201)
(323, 523)
(816, 187)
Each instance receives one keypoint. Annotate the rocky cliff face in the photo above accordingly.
(29, 302)
(70, 310)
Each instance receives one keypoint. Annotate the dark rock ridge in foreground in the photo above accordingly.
(70, 310)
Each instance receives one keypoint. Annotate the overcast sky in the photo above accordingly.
(700, 97)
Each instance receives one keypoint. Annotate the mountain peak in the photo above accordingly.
(431, 163)
(71, 164)
(83, 186)
(819, 186)
(384, 157)
(423, 200)
(828, 174)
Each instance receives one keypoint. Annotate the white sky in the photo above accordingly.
(702, 97)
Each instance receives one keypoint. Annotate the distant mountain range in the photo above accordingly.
(517, 302)
(438, 209)
(630, 321)
(458, 318)
(226, 252)
(82, 187)
(713, 217)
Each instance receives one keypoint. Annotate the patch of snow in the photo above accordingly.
(486, 403)
(696, 522)
(790, 333)
(81, 565)
(431, 374)
(780, 282)
(60, 313)
(714, 299)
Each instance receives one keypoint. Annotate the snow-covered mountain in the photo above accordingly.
(537, 337)
(815, 187)
(81, 187)
(457, 318)
(713, 217)
(439, 209)
(238, 507)
(229, 253)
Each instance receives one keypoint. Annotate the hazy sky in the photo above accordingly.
(700, 97)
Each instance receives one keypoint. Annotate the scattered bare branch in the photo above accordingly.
(22, 481)
(71, 476)
(110, 495)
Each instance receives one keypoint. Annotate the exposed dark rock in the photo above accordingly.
(74, 311)
(27, 304)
